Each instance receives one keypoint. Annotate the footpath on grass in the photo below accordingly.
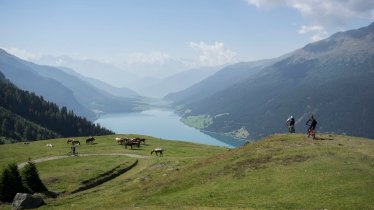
(39, 160)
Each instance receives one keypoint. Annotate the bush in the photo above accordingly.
(11, 183)
(31, 178)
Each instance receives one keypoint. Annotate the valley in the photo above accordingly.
(246, 104)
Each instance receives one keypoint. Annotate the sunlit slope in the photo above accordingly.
(280, 171)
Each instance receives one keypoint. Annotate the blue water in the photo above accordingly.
(162, 124)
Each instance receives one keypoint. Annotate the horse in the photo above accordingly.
(139, 139)
(142, 140)
(69, 141)
(90, 140)
(74, 142)
(131, 142)
(120, 140)
(157, 150)
(49, 145)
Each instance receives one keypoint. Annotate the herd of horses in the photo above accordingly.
(132, 142)
(136, 142)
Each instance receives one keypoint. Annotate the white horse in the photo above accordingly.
(49, 145)
(157, 150)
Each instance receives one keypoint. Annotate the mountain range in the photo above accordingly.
(86, 97)
(159, 88)
(97, 70)
(156, 82)
(333, 79)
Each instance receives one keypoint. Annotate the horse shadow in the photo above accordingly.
(324, 139)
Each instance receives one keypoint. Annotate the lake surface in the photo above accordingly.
(162, 124)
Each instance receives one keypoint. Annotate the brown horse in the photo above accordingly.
(90, 140)
(131, 142)
(139, 139)
(73, 142)
(142, 140)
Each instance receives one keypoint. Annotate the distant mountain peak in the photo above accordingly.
(342, 42)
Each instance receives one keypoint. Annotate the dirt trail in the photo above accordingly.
(21, 165)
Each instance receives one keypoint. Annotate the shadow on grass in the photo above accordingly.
(104, 177)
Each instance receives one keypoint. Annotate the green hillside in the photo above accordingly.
(278, 172)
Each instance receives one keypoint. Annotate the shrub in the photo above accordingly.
(31, 178)
(11, 183)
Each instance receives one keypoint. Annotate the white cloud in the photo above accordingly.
(264, 3)
(318, 31)
(24, 54)
(147, 58)
(324, 12)
(306, 29)
(213, 55)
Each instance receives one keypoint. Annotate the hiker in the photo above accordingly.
(312, 122)
(291, 124)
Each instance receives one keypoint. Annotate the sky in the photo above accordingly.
(188, 33)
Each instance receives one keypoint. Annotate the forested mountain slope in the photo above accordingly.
(26, 117)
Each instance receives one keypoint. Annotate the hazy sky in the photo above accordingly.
(194, 32)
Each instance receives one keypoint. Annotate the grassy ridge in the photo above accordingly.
(279, 172)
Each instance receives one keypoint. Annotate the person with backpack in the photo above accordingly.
(312, 122)
(291, 124)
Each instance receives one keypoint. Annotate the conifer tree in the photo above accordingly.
(11, 183)
(31, 178)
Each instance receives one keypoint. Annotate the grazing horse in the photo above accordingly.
(139, 139)
(73, 142)
(131, 142)
(157, 150)
(120, 140)
(90, 140)
(142, 140)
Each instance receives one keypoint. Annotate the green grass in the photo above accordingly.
(66, 175)
(199, 122)
(278, 172)
(20, 152)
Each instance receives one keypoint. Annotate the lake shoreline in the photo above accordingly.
(165, 124)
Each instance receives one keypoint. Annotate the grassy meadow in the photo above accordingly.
(279, 172)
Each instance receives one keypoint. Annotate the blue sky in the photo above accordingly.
(193, 32)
